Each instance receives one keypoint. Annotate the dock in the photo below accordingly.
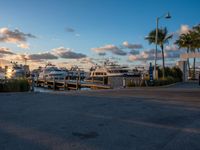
(70, 84)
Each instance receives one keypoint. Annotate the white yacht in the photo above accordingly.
(76, 73)
(51, 72)
(111, 69)
(16, 71)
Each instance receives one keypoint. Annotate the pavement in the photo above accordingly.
(187, 85)
(123, 119)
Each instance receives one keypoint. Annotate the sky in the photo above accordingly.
(67, 32)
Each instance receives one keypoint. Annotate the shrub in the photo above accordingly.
(177, 73)
(166, 81)
(15, 85)
(172, 75)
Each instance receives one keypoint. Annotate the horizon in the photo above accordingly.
(83, 32)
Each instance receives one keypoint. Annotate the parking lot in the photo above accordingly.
(124, 119)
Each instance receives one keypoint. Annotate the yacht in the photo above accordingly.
(76, 73)
(112, 69)
(16, 71)
(51, 72)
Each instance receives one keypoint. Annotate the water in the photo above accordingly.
(46, 90)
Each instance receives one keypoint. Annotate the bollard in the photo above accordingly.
(124, 82)
(76, 83)
(64, 84)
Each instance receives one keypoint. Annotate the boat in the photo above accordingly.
(76, 73)
(112, 69)
(51, 72)
(16, 71)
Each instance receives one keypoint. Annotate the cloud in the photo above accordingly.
(184, 29)
(70, 30)
(110, 48)
(171, 48)
(149, 55)
(73, 31)
(134, 52)
(173, 51)
(15, 36)
(5, 51)
(145, 55)
(102, 54)
(42, 56)
(132, 46)
(172, 55)
(68, 53)
(87, 60)
(56, 54)
(23, 45)
(16, 57)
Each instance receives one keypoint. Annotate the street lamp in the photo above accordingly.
(166, 16)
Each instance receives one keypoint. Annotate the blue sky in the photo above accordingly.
(95, 23)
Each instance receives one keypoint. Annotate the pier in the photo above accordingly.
(105, 83)
(71, 84)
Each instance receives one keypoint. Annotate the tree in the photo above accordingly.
(190, 41)
(196, 30)
(195, 34)
(185, 41)
(163, 38)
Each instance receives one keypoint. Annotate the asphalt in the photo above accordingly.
(124, 119)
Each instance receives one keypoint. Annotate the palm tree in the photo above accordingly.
(163, 38)
(196, 29)
(193, 48)
(195, 34)
(190, 41)
(185, 41)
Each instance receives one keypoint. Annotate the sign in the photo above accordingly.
(151, 72)
(190, 55)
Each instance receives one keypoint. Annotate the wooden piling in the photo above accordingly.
(65, 84)
(77, 84)
(54, 84)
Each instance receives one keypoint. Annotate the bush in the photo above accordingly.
(15, 85)
(172, 75)
(177, 73)
(166, 81)
(174, 72)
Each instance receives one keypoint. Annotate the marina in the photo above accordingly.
(99, 75)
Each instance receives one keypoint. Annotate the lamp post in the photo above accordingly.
(166, 16)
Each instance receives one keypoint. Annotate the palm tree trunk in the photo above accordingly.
(188, 62)
(163, 61)
(194, 66)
